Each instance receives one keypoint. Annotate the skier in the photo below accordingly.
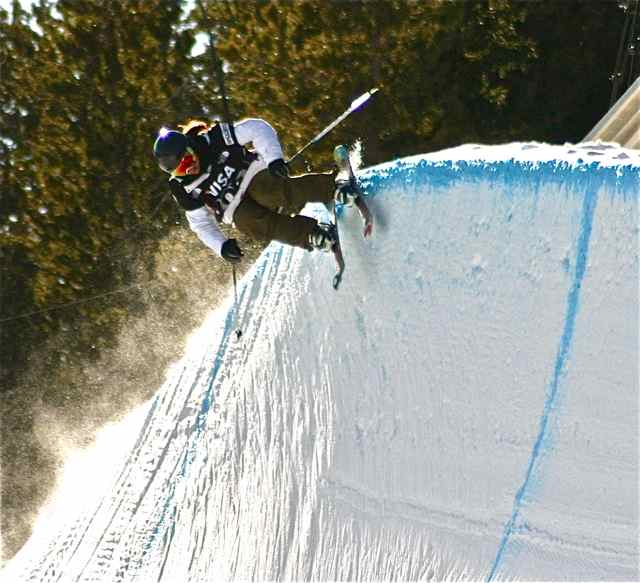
(216, 177)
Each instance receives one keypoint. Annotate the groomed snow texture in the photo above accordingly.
(464, 407)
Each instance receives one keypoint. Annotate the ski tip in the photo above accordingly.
(341, 153)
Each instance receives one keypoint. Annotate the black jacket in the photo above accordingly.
(223, 164)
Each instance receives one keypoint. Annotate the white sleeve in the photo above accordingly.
(204, 225)
(262, 135)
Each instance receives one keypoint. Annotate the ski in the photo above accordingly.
(341, 157)
(337, 252)
(355, 105)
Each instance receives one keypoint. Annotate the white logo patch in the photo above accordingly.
(222, 181)
(226, 134)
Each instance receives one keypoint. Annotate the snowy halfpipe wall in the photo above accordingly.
(464, 407)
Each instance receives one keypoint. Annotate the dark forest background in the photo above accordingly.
(100, 279)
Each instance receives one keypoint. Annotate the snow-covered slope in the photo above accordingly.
(465, 406)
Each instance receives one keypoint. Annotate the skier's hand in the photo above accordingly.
(279, 169)
(231, 251)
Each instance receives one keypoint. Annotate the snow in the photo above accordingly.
(464, 407)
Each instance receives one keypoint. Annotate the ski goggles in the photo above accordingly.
(188, 165)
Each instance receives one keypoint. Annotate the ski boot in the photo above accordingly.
(347, 192)
(323, 237)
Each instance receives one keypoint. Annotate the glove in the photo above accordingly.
(279, 169)
(231, 252)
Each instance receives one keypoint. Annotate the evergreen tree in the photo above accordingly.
(450, 72)
(18, 117)
(83, 96)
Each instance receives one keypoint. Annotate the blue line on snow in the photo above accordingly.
(588, 210)
(209, 396)
(200, 421)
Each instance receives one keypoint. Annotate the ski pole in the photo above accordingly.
(355, 104)
(235, 306)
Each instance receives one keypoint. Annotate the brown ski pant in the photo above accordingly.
(269, 203)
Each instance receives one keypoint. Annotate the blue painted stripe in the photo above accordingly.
(189, 448)
(588, 211)
(167, 515)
